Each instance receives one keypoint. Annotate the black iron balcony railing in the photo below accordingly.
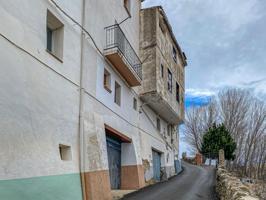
(116, 39)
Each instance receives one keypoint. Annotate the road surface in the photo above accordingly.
(194, 183)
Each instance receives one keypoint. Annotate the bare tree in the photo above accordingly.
(233, 105)
(244, 116)
(198, 120)
(256, 129)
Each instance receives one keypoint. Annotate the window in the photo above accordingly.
(49, 39)
(162, 69)
(65, 152)
(158, 124)
(107, 80)
(172, 139)
(127, 6)
(174, 54)
(169, 130)
(135, 104)
(169, 81)
(55, 35)
(177, 93)
(117, 94)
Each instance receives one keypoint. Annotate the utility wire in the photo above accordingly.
(101, 52)
(87, 32)
(71, 18)
(76, 84)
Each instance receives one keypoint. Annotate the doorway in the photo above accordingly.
(114, 161)
(156, 161)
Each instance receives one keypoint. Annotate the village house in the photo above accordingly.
(91, 98)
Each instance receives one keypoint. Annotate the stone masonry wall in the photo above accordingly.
(231, 188)
(156, 47)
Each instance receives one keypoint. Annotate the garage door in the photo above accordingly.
(114, 161)
(156, 158)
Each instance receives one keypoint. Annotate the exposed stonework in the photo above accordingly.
(162, 55)
(221, 158)
(231, 188)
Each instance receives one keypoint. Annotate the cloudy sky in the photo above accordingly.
(225, 43)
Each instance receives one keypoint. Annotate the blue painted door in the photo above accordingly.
(114, 161)
(156, 161)
(178, 167)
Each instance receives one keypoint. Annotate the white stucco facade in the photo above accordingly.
(46, 102)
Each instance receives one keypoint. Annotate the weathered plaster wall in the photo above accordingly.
(151, 138)
(147, 52)
(123, 118)
(39, 103)
(39, 100)
(39, 108)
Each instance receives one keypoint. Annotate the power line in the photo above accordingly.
(71, 18)
(43, 63)
(76, 84)
(90, 36)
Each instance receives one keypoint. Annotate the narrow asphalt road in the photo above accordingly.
(194, 183)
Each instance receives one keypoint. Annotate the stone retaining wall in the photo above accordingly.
(231, 188)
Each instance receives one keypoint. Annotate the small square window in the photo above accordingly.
(158, 124)
(169, 130)
(177, 93)
(170, 81)
(55, 35)
(117, 99)
(65, 152)
(135, 104)
(174, 54)
(107, 80)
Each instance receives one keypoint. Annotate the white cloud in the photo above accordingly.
(198, 92)
(223, 40)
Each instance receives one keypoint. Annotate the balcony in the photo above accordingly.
(165, 106)
(122, 56)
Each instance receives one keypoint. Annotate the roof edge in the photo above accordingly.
(180, 52)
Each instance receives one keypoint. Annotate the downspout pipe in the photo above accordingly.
(81, 106)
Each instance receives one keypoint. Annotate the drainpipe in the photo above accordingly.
(81, 108)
